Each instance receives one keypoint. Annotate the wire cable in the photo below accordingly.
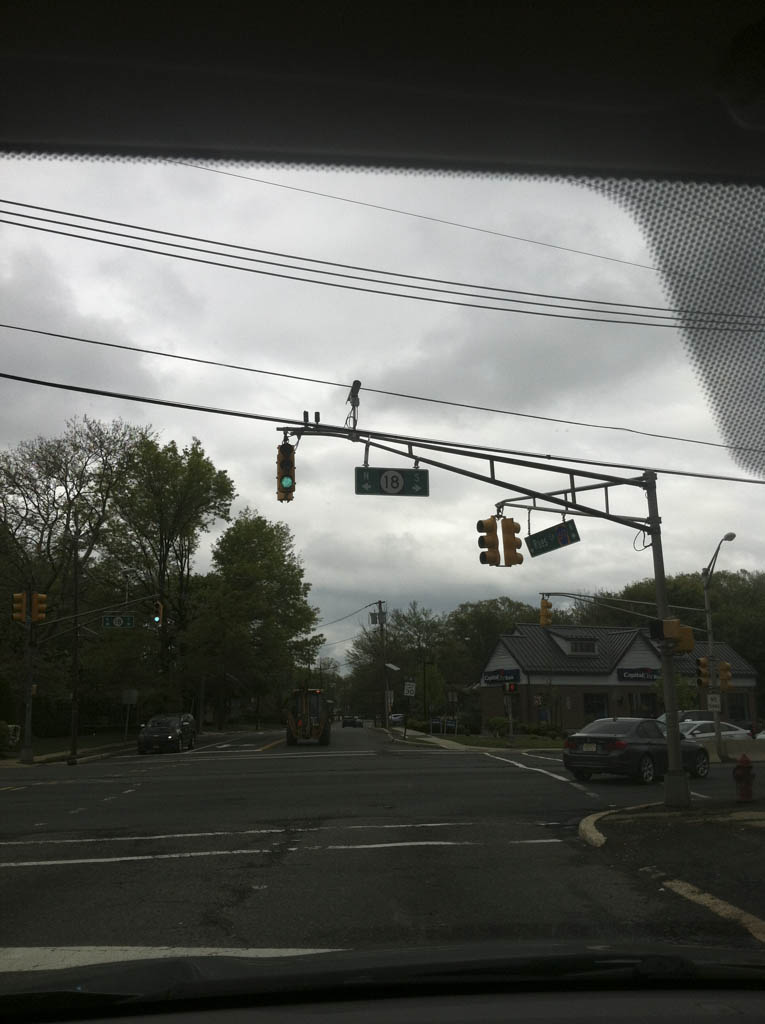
(418, 216)
(379, 391)
(468, 449)
(349, 615)
(698, 320)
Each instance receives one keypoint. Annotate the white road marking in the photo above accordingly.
(532, 842)
(223, 834)
(544, 771)
(107, 798)
(44, 958)
(542, 757)
(385, 846)
(701, 796)
(77, 810)
(117, 860)
(754, 925)
(128, 791)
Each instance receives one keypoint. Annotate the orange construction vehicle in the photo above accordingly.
(309, 717)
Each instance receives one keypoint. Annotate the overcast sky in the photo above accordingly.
(357, 550)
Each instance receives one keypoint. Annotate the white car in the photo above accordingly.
(706, 731)
(396, 719)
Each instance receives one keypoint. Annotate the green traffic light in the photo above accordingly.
(286, 482)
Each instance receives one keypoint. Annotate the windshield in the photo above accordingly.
(268, 430)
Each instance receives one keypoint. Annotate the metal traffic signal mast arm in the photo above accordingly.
(566, 500)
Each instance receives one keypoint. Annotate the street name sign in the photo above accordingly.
(118, 621)
(552, 538)
(407, 483)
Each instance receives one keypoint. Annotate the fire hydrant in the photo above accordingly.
(743, 776)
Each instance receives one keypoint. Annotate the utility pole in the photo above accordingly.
(676, 790)
(27, 757)
(72, 759)
(381, 626)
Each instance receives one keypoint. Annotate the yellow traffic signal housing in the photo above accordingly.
(285, 472)
(39, 607)
(685, 641)
(510, 542)
(545, 612)
(157, 613)
(724, 675)
(702, 672)
(489, 541)
(19, 613)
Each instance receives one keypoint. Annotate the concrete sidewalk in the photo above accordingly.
(436, 740)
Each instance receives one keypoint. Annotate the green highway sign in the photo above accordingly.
(554, 537)
(412, 483)
(117, 621)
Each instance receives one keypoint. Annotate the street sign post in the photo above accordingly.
(551, 539)
(406, 483)
(118, 621)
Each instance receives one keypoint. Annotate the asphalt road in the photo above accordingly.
(367, 843)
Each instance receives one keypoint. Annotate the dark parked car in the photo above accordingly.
(635, 747)
(168, 732)
(353, 721)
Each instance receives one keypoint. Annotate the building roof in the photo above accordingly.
(534, 648)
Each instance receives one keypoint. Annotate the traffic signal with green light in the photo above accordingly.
(724, 675)
(157, 612)
(19, 613)
(702, 672)
(39, 607)
(489, 541)
(510, 542)
(285, 472)
(545, 612)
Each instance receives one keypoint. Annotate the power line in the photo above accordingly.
(349, 615)
(342, 266)
(418, 216)
(345, 641)
(677, 319)
(468, 449)
(378, 391)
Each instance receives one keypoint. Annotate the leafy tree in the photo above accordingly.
(252, 622)
(170, 499)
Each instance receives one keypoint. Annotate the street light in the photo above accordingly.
(706, 577)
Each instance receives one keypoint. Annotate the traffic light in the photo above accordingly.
(702, 672)
(285, 472)
(39, 607)
(510, 542)
(490, 541)
(511, 687)
(545, 612)
(156, 617)
(724, 675)
(20, 607)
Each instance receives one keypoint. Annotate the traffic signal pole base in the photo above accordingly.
(26, 756)
(677, 792)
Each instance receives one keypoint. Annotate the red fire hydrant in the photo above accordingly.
(743, 776)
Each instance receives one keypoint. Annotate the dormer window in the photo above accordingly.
(583, 647)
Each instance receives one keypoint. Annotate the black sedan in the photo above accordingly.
(636, 747)
(353, 721)
(167, 733)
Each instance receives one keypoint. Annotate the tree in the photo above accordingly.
(56, 497)
(170, 499)
(252, 619)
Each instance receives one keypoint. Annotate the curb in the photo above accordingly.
(591, 834)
